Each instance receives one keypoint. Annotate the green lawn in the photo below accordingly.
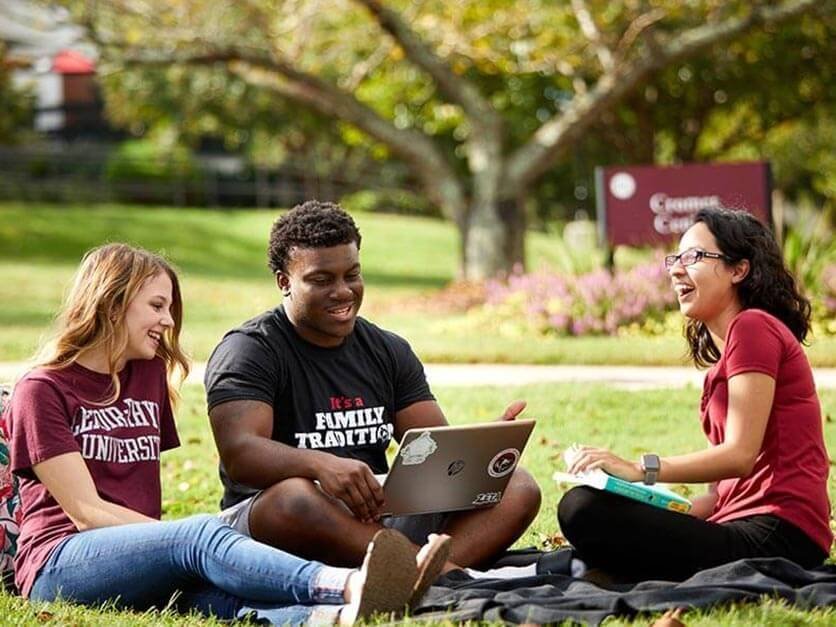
(225, 279)
(630, 422)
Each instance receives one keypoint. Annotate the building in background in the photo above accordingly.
(49, 56)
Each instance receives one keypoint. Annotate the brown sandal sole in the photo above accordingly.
(391, 574)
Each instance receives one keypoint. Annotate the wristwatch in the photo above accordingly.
(650, 466)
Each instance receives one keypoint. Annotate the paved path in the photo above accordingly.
(624, 377)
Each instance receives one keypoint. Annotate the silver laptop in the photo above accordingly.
(444, 469)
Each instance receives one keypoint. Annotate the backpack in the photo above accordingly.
(10, 512)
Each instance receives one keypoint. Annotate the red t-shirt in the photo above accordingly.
(789, 479)
(55, 412)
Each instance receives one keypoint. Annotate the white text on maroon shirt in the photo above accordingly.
(136, 414)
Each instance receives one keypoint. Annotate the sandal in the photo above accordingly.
(391, 575)
(430, 570)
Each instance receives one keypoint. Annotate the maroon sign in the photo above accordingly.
(640, 205)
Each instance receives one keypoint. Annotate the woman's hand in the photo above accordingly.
(585, 458)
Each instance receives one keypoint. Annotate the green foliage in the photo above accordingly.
(755, 98)
(16, 104)
(804, 160)
(809, 248)
(148, 160)
(388, 201)
(810, 253)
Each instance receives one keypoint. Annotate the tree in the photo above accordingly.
(445, 56)
(17, 104)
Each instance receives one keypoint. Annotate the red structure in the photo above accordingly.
(647, 205)
(81, 102)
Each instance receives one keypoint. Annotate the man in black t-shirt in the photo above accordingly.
(304, 399)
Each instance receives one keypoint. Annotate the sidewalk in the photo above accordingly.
(462, 375)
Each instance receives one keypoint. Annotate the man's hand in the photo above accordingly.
(352, 482)
(513, 410)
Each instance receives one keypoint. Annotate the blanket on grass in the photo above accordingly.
(555, 598)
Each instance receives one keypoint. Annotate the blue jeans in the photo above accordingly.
(215, 570)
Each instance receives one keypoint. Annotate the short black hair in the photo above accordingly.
(313, 224)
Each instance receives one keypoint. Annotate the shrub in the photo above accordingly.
(598, 302)
(143, 160)
(824, 303)
(389, 201)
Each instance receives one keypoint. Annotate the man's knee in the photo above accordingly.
(525, 492)
(291, 501)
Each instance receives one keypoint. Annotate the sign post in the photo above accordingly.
(650, 205)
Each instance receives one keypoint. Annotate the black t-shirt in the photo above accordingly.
(341, 400)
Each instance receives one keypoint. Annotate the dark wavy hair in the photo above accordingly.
(313, 224)
(769, 285)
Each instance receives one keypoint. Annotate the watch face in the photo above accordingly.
(651, 463)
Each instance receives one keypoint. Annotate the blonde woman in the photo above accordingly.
(87, 428)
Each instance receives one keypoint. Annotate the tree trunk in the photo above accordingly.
(512, 213)
(493, 239)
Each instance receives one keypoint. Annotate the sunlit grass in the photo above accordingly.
(222, 258)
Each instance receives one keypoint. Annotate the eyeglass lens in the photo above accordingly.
(686, 258)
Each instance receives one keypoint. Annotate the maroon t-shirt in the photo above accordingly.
(58, 411)
(789, 479)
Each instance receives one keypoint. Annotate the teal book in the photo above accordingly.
(655, 495)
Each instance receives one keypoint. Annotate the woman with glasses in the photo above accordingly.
(766, 466)
(87, 428)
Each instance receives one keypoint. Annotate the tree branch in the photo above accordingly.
(484, 146)
(543, 149)
(280, 77)
(635, 29)
(363, 68)
(455, 88)
(590, 30)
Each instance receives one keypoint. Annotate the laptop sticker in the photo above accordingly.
(503, 462)
(417, 451)
(455, 467)
(487, 498)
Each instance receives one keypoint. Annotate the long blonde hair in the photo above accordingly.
(93, 313)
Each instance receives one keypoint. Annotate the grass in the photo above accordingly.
(630, 422)
(221, 255)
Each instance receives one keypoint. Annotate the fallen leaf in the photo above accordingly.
(669, 619)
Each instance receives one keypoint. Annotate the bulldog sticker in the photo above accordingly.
(503, 462)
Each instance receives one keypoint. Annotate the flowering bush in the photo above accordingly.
(598, 302)
(639, 301)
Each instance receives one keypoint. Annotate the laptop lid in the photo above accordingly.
(450, 468)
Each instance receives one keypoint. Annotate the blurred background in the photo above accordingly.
(463, 136)
(477, 143)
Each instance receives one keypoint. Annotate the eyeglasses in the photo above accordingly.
(691, 256)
